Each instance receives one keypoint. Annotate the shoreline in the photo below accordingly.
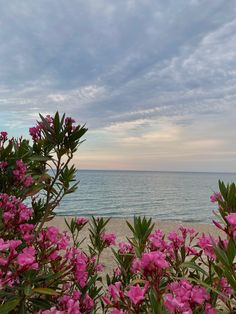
(130, 218)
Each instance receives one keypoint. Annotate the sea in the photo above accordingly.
(171, 196)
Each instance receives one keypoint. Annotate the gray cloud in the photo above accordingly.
(108, 62)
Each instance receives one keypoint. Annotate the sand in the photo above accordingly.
(120, 228)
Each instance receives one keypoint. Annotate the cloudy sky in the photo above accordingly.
(155, 80)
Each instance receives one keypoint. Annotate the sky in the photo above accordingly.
(154, 80)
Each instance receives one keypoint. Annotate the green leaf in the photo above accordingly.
(154, 304)
(221, 255)
(40, 303)
(47, 291)
(230, 279)
(28, 290)
(9, 306)
(56, 123)
(223, 189)
(194, 266)
(39, 158)
(231, 251)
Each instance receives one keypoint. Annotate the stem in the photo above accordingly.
(50, 206)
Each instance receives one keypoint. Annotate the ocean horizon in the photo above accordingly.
(165, 195)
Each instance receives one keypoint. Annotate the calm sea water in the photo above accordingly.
(163, 195)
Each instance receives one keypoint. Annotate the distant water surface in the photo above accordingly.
(181, 196)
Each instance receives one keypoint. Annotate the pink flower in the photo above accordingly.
(20, 174)
(209, 309)
(28, 181)
(231, 219)
(35, 132)
(176, 240)
(69, 304)
(13, 244)
(156, 240)
(26, 231)
(136, 265)
(3, 261)
(81, 278)
(136, 294)
(117, 272)
(215, 197)
(125, 248)
(114, 290)
(172, 304)
(218, 225)
(27, 258)
(81, 221)
(3, 136)
(69, 120)
(3, 164)
(53, 256)
(108, 238)
(52, 234)
(26, 228)
(199, 295)
(153, 261)
(14, 211)
(225, 288)
(88, 303)
(185, 231)
(4, 245)
(183, 297)
(205, 243)
(99, 267)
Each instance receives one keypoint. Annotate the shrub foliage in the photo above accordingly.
(43, 270)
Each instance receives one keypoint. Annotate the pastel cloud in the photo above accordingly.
(154, 81)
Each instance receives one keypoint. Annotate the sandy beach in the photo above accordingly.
(120, 228)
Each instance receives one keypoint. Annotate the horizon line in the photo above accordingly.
(168, 171)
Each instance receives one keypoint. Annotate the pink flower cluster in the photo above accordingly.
(231, 219)
(14, 211)
(184, 297)
(21, 261)
(108, 238)
(36, 131)
(27, 259)
(81, 221)
(51, 241)
(50, 248)
(206, 243)
(176, 241)
(115, 295)
(3, 136)
(215, 197)
(152, 263)
(72, 304)
(26, 231)
(137, 294)
(8, 254)
(80, 269)
(3, 164)
(20, 174)
(126, 248)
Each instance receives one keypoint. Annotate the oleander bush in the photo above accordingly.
(45, 271)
